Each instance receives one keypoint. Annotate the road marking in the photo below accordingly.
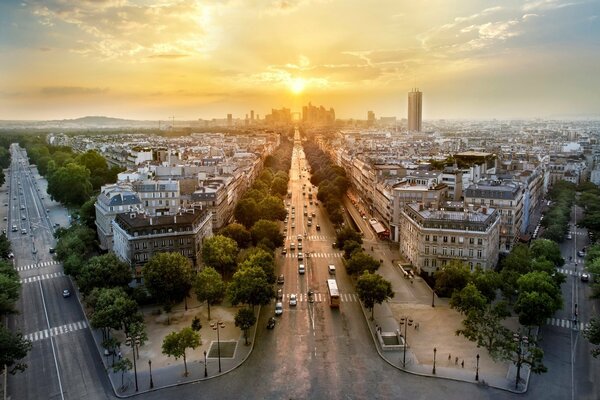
(55, 331)
(567, 324)
(318, 297)
(569, 272)
(43, 277)
(38, 265)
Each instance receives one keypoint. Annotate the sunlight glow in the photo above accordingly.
(297, 85)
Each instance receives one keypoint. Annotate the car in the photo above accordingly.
(6, 219)
(284, 251)
(585, 277)
(581, 253)
(293, 225)
(271, 323)
(279, 294)
(14, 228)
(293, 300)
(278, 308)
(331, 269)
(5, 204)
(51, 250)
(23, 231)
(11, 255)
(280, 279)
(569, 236)
(22, 207)
(299, 245)
(23, 217)
(318, 227)
(299, 237)
(301, 269)
(300, 256)
(314, 214)
(66, 293)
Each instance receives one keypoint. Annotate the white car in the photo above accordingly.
(331, 268)
(278, 308)
(293, 300)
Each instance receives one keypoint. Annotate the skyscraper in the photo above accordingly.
(415, 110)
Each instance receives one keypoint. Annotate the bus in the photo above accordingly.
(334, 294)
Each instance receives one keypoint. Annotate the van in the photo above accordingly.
(331, 268)
(301, 269)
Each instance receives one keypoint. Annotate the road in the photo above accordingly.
(63, 363)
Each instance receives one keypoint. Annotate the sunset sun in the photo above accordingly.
(297, 85)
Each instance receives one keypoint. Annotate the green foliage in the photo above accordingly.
(87, 213)
(104, 271)
(271, 208)
(77, 240)
(258, 257)
(13, 348)
(175, 344)
(238, 233)
(220, 252)
(467, 299)
(246, 212)
(250, 286)
(209, 287)
(347, 234)
(557, 218)
(592, 333)
(168, 277)
(123, 365)
(245, 319)
(539, 298)
(4, 246)
(544, 248)
(112, 309)
(269, 230)
(361, 262)
(70, 185)
(484, 327)
(9, 288)
(350, 247)
(373, 289)
(453, 276)
(196, 324)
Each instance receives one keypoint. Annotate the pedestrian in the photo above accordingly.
(462, 363)
(416, 326)
(449, 356)
(120, 355)
(456, 361)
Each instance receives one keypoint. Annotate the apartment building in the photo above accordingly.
(112, 200)
(138, 236)
(159, 197)
(507, 198)
(431, 237)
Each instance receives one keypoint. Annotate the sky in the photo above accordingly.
(191, 59)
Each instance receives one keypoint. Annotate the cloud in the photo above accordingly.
(547, 5)
(528, 16)
(71, 90)
(169, 56)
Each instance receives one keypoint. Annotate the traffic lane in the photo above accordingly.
(39, 381)
(29, 319)
(61, 310)
(81, 369)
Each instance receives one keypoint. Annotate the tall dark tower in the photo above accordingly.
(415, 110)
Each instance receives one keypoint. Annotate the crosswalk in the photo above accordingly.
(316, 255)
(311, 237)
(565, 323)
(569, 272)
(57, 330)
(38, 265)
(319, 297)
(41, 277)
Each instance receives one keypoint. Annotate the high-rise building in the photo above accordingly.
(318, 115)
(415, 110)
(229, 120)
(251, 115)
(370, 118)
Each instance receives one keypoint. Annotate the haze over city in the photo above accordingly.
(192, 59)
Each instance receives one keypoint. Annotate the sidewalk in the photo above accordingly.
(169, 372)
(436, 329)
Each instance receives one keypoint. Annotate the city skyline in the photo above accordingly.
(135, 60)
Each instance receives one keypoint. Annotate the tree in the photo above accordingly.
(279, 186)
(246, 212)
(245, 319)
(250, 286)
(209, 287)
(122, 366)
(176, 343)
(97, 166)
(168, 277)
(9, 288)
(70, 185)
(347, 234)
(269, 230)
(238, 233)
(220, 252)
(484, 327)
(103, 271)
(453, 276)
(548, 249)
(361, 262)
(592, 333)
(13, 348)
(539, 298)
(259, 257)
(4, 246)
(487, 282)
(272, 208)
(467, 299)
(87, 213)
(112, 309)
(351, 246)
(373, 289)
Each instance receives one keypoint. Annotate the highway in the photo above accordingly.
(63, 363)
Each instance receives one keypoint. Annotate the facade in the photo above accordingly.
(137, 236)
(430, 238)
(415, 110)
(218, 196)
(160, 197)
(112, 200)
(507, 198)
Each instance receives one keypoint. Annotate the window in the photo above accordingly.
(491, 202)
(426, 262)
(479, 242)
(453, 239)
(181, 241)
(434, 250)
(471, 241)
(445, 239)
(470, 252)
(434, 238)
(479, 253)
(461, 239)
(460, 252)
(478, 265)
(427, 238)
(471, 266)
(452, 251)
(444, 251)
(156, 243)
(136, 246)
(434, 263)
(145, 245)
(170, 242)
(427, 250)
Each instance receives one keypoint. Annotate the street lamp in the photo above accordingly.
(520, 341)
(205, 371)
(216, 327)
(434, 351)
(477, 369)
(129, 341)
(151, 381)
(406, 321)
